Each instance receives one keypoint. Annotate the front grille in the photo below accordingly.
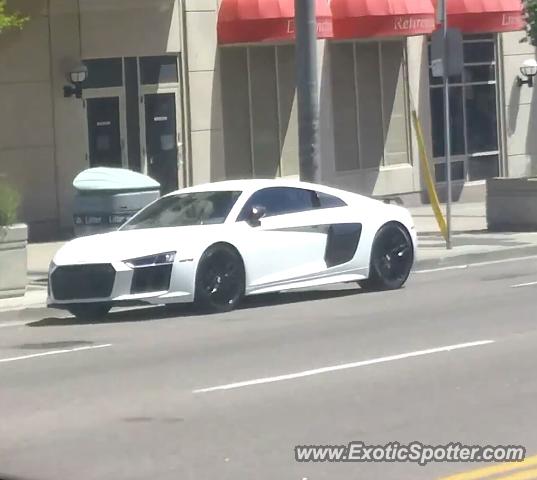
(79, 282)
(151, 279)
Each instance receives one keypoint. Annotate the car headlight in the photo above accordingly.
(152, 260)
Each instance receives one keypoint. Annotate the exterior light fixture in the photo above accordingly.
(528, 71)
(77, 77)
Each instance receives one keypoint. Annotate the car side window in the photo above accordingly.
(280, 200)
(329, 201)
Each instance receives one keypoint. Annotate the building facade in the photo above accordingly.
(192, 91)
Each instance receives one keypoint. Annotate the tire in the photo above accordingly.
(220, 280)
(89, 311)
(392, 257)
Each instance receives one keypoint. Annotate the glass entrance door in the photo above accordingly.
(104, 132)
(161, 140)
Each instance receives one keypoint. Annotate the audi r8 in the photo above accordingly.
(216, 243)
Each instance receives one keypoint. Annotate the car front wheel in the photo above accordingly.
(220, 279)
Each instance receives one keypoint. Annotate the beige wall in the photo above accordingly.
(203, 88)
(69, 114)
(26, 116)
(520, 108)
(122, 28)
(418, 85)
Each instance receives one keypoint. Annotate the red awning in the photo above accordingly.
(252, 21)
(382, 18)
(486, 16)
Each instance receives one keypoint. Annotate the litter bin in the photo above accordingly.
(107, 197)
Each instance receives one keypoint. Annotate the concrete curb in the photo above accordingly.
(435, 234)
(34, 298)
(472, 258)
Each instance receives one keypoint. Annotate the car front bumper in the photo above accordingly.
(116, 283)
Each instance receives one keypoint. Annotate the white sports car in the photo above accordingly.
(215, 243)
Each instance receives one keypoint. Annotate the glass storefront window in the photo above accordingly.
(457, 126)
(481, 121)
(457, 171)
(259, 111)
(158, 70)
(104, 73)
(479, 51)
(480, 168)
(474, 114)
(370, 104)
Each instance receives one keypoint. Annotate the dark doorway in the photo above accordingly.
(161, 139)
(104, 132)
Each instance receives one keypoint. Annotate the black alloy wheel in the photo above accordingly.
(392, 257)
(220, 280)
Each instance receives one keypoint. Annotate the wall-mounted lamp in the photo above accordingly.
(528, 71)
(77, 77)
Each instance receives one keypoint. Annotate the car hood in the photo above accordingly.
(128, 244)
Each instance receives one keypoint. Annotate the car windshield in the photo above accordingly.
(199, 208)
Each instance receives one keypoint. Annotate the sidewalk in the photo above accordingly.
(466, 217)
(473, 247)
(472, 243)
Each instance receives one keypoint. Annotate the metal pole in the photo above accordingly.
(447, 126)
(307, 89)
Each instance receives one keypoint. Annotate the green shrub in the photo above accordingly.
(10, 20)
(530, 7)
(9, 204)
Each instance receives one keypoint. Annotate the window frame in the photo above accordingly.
(174, 59)
(248, 203)
(276, 52)
(131, 224)
(359, 164)
(466, 157)
(316, 202)
(106, 63)
(332, 197)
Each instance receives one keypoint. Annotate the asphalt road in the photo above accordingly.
(121, 399)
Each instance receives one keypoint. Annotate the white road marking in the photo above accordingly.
(477, 264)
(345, 366)
(520, 285)
(5, 309)
(442, 269)
(13, 324)
(54, 352)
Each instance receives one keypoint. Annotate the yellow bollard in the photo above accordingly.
(426, 170)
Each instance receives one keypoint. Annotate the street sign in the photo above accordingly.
(437, 68)
(455, 53)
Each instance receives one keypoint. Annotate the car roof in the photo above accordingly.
(252, 185)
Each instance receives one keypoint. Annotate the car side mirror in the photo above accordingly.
(255, 215)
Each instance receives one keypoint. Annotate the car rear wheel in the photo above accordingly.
(220, 279)
(392, 257)
(90, 311)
